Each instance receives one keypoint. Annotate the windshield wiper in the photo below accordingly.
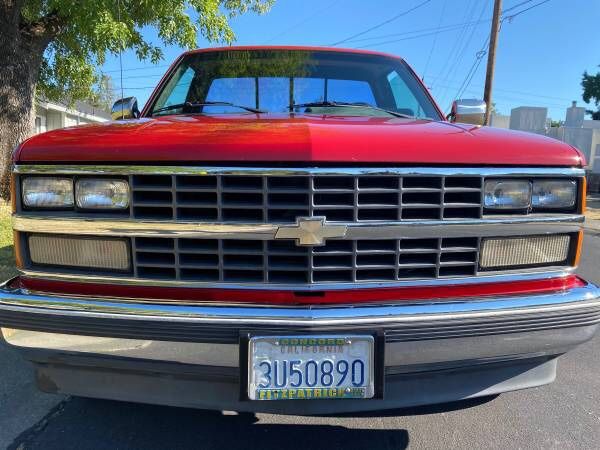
(199, 104)
(354, 105)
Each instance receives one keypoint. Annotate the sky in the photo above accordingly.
(542, 52)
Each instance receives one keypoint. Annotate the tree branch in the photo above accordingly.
(44, 29)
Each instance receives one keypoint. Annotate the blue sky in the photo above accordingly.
(541, 52)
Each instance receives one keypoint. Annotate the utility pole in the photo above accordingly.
(491, 62)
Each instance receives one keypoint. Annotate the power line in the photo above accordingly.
(385, 22)
(511, 98)
(133, 77)
(512, 16)
(456, 44)
(138, 68)
(510, 91)
(479, 56)
(517, 5)
(418, 36)
(442, 29)
(133, 87)
(120, 51)
(473, 70)
(458, 61)
(435, 38)
(303, 21)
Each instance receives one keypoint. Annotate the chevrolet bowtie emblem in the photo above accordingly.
(310, 231)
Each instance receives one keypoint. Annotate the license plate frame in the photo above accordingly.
(373, 387)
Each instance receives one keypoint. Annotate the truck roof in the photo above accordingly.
(291, 48)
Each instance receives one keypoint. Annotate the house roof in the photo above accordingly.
(82, 107)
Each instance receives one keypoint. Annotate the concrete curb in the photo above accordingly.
(592, 224)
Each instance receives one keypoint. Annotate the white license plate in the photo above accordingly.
(310, 367)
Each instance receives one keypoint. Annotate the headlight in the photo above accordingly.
(554, 194)
(102, 193)
(507, 194)
(47, 192)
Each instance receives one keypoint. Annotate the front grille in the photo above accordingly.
(281, 261)
(281, 199)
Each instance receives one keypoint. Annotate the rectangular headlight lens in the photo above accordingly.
(47, 192)
(111, 254)
(524, 251)
(102, 193)
(554, 194)
(507, 194)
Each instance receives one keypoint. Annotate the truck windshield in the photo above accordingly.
(293, 81)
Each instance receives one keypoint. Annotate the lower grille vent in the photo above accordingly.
(281, 261)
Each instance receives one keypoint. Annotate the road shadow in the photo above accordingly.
(423, 410)
(100, 424)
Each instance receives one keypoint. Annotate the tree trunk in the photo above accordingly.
(21, 53)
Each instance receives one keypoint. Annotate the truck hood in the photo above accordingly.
(294, 138)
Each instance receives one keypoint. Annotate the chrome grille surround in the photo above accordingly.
(234, 251)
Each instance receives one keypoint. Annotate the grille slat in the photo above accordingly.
(281, 199)
(281, 261)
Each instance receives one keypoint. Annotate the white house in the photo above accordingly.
(53, 115)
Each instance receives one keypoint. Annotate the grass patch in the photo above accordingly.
(7, 256)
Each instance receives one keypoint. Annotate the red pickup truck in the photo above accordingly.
(296, 230)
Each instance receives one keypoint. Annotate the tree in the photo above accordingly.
(103, 95)
(494, 109)
(591, 91)
(52, 48)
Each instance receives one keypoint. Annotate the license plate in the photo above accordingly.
(310, 367)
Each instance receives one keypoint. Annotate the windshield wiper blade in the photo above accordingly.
(199, 104)
(354, 105)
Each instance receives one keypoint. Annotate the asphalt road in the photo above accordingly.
(565, 414)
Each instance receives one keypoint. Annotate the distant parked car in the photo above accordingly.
(295, 230)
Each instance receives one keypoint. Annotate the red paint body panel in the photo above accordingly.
(295, 139)
(311, 298)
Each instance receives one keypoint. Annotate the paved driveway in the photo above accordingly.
(563, 415)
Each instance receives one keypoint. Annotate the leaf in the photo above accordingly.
(93, 29)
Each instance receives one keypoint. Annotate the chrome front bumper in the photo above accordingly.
(202, 340)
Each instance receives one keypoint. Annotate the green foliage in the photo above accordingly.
(7, 260)
(591, 91)
(88, 30)
(104, 94)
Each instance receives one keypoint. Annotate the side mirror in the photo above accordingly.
(125, 108)
(468, 111)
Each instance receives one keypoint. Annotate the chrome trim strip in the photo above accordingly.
(203, 353)
(580, 298)
(403, 356)
(544, 273)
(540, 224)
(232, 170)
